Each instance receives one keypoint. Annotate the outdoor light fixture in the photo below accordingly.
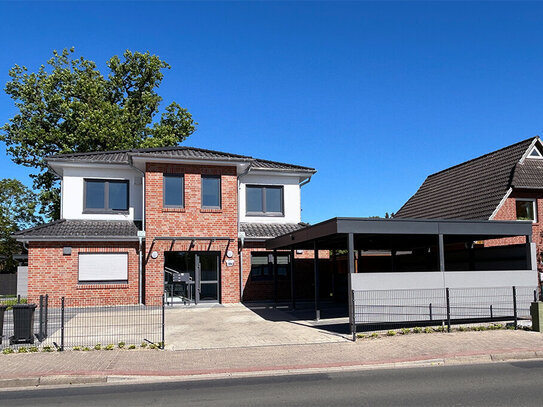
(229, 253)
(154, 254)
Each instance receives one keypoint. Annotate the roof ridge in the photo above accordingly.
(483, 156)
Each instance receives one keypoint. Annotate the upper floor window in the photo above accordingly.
(211, 192)
(106, 195)
(526, 209)
(173, 190)
(264, 200)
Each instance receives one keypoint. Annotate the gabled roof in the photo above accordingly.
(180, 152)
(471, 190)
(74, 229)
(268, 230)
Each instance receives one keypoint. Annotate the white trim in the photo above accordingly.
(532, 144)
(539, 156)
(501, 203)
(534, 207)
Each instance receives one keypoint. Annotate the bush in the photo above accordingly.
(109, 347)
(47, 349)
(391, 333)
(22, 349)
(405, 331)
(375, 335)
(132, 347)
(417, 330)
(8, 351)
(98, 346)
(86, 349)
(143, 345)
(121, 345)
(76, 348)
(33, 349)
(428, 330)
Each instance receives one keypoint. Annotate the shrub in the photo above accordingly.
(143, 345)
(86, 349)
(76, 348)
(417, 330)
(109, 347)
(375, 335)
(22, 349)
(153, 346)
(405, 331)
(7, 351)
(33, 349)
(121, 345)
(47, 349)
(391, 333)
(98, 346)
(428, 330)
(132, 347)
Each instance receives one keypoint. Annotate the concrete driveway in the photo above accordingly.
(235, 325)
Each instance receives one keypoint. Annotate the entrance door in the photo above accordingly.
(203, 268)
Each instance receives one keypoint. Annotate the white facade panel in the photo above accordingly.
(73, 192)
(291, 198)
(103, 267)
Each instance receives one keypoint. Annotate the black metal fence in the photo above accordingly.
(59, 323)
(388, 309)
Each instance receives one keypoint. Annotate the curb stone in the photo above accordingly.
(53, 380)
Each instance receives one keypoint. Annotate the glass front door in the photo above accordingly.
(192, 277)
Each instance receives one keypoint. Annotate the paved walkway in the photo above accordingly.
(234, 326)
(438, 347)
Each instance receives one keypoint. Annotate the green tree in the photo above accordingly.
(17, 211)
(68, 106)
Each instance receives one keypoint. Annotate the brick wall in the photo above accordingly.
(50, 272)
(508, 211)
(191, 220)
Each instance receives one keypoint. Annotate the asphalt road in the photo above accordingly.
(497, 384)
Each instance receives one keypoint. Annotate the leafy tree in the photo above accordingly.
(70, 107)
(17, 211)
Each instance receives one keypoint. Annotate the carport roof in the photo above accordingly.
(331, 234)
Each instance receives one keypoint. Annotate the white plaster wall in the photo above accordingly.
(291, 191)
(73, 186)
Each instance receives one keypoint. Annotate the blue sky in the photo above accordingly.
(376, 96)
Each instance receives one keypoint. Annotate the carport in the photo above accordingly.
(403, 253)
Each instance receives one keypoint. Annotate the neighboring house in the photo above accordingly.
(131, 220)
(506, 184)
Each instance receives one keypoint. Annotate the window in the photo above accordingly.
(105, 196)
(103, 268)
(264, 200)
(535, 153)
(526, 209)
(262, 266)
(211, 192)
(173, 190)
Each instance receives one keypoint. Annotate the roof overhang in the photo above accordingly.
(332, 234)
(140, 160)
(26, 239)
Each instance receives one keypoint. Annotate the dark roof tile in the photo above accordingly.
(80, 229)
(267, 230)
(471, 190)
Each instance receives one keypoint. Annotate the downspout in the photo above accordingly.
(141, 236)
(241, 236)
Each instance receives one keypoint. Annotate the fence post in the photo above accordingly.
(431, 312)
(40, 331)
(491, 313)
(448, 310)
(163, 325)
(46, 315)
(353, 322)
(62, 324)
(535, 295)
(515, 306)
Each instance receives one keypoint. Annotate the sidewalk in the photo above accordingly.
(101, 366)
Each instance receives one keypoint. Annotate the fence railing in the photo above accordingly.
(387, 309)
(60, 323)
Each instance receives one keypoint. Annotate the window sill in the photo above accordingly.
(265, 215)
(178, 210)
(210, 210)
(89, 212)
(101, 286)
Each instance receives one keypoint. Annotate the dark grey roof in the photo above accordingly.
(528, 174)
(81, 230)
(181, 152)
(471, 190)
(267, 230)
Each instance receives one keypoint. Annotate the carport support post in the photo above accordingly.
(442, 258)
(529, 264)
(292, 295)
(350, 255)
(275, 278)
(316, 272)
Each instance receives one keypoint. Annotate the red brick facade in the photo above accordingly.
(191, 221)
(508, 211)
(53, 273)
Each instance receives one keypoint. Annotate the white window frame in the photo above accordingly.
(538, 157)
(107, 275)
(534, 207)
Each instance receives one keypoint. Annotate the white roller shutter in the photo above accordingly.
(103, 267)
